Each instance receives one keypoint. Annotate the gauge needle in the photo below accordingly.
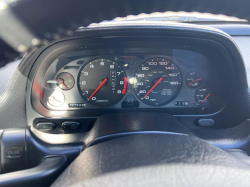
(205, 98)
(62, 83)
(53, 98)
(103, 82)
(153, 87)
(195, 81)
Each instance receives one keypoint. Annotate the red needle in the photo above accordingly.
(52, 97)
(62, 83)
(205, 98)
(153, 87)
(103, 82)
(195, 81)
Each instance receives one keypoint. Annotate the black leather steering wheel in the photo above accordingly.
(155, 160)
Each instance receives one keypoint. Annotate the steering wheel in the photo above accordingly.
(155, 160)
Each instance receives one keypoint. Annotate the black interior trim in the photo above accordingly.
(42, 175)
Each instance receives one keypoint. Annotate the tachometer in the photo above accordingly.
(102, 82)
(157, 81)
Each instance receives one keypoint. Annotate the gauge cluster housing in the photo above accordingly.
(207, 59)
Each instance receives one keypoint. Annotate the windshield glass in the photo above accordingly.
(25, 24)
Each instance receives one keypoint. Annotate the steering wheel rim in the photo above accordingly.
(160, 159)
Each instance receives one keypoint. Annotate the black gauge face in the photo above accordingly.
(194, 80)
(157, 81)
(65, 81)
(203, 96)
(102, 82)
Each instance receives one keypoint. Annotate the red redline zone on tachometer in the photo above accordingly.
(125, 85)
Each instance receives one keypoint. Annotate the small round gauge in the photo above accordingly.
(65, 81)
(56, 98)
(203, 96)
(194, 80)
(102, 82)
(157, 81)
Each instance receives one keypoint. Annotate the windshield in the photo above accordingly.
(26, 25)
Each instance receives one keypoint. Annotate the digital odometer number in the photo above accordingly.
(157, 81)
(102, 82)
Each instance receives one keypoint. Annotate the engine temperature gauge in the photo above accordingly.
(194, 80)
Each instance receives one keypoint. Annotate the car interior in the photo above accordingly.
(124, 93)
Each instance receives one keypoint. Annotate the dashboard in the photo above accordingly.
(80, 80)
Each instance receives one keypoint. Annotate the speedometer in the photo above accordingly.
(157, 81)
(102, 82)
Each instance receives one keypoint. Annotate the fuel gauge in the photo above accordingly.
(203, 96)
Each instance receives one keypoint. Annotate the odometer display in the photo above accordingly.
(157, 81)
(102, 82)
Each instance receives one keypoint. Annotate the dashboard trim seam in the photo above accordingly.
(92, 142)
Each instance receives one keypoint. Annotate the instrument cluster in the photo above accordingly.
(181, 79)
